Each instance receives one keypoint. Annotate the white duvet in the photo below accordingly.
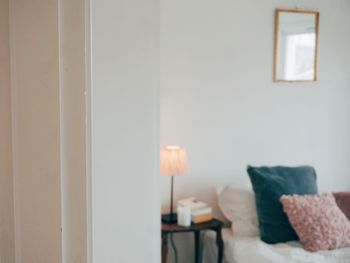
(253, 250)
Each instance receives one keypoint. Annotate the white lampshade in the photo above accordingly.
(173, 161)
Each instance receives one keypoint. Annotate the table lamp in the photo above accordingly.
(173, 162)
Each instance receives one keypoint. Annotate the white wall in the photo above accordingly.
(219, 102)
(7, 253)
(125, 131)
(36, 112)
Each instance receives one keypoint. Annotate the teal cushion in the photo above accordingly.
(269, 184)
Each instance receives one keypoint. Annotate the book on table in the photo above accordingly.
(201, 218)
(202, 215)
(200, 211)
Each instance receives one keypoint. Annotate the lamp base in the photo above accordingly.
(169, 218)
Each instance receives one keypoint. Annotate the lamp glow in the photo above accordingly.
(173, 162)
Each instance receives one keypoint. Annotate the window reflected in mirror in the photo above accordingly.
(296, 43)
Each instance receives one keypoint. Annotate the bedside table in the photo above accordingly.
(214, 225)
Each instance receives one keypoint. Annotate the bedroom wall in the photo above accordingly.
(36, 117)
(7, 245)
(219, 102)
(125, 131)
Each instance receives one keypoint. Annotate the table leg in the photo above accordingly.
(164, 248)
(196, 245)
(220, 244)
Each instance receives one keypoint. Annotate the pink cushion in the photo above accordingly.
(318, 221)
(343, 201)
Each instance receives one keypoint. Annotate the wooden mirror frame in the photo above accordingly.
(277, 13)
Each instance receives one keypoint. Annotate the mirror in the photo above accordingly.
(296, 44)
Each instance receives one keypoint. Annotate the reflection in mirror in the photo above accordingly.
(296, 40)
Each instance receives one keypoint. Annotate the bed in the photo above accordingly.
(253, 250)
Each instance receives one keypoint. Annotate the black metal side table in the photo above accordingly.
(214, 225)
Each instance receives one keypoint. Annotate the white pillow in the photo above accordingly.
(238, 206)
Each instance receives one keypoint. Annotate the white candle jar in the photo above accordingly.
(184, 216)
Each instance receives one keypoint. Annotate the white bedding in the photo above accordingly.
(253, 250)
